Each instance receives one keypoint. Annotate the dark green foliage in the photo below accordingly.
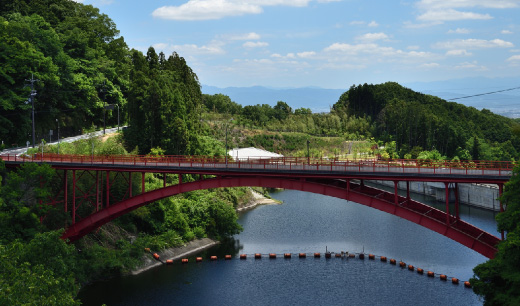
(74, 53)
(20, 196)
(498, 279)
(39, 272)
(163, 104)
(416, 120)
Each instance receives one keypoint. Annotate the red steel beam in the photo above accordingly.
(416, 212)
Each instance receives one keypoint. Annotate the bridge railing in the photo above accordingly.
(500, 168)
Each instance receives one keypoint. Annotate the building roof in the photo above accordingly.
(251, 153)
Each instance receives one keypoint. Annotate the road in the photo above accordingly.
(22, 150)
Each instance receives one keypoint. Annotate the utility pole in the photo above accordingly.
(104, 108)
(31, 98)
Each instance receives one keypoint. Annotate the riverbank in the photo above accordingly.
(176, 253)
(258, 199)
(198, 245)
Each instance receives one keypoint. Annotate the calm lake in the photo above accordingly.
(309, 223)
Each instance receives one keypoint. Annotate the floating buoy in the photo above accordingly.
(361, 256)
(392, 261)
(184, 260)
(227, 257)
(420, 271)
(287, 255)
(410, 267)
(317, 255)
(383, 258)
(302, 255)
(338, 255)
(258, 255)
(443, 277)
(156, 256)
(272, 255)
(431, 274)
(371, 256)
(467, 284)
(147, 250)
(243, 256)
(351, 255)
(169, 261)
(402, 264)
(213, 258)
(198, 259)
(455, 281)
(327, 255)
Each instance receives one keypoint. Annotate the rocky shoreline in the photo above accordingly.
(198, 245)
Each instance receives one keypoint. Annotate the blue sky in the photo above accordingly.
(326, 43)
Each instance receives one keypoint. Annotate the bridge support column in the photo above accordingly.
(108, 190)
(407, 191)
(500, 191)
(457, 201)
(97, 190)
(164, 180)
(73, 196)
(65, 191)
(180, 178)
(446, 187)
(396, 195)
(142, 182)
(129, 184)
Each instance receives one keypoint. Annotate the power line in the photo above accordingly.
(486, 93)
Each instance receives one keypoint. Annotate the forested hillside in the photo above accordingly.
(79, 62)
(425, 122)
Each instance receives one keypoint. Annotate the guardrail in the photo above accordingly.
(494, 168)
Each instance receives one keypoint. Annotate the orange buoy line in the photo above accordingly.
(442, 277)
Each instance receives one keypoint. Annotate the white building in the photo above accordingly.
(251, 153)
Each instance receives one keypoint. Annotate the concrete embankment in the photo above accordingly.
(477, 195)
(188, 249)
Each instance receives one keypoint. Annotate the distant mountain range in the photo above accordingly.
(317, 99)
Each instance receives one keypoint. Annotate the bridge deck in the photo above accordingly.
(409, 170)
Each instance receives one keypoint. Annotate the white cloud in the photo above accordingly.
(458, 52)
(413, 47)
(247, 36)
(451, 15)
(430, 65)
(471, 66)
(506, 32)
(215, 47)
(459, 31)
(368, 49)
(373, 24)
(372, 36)
(218, 9)
(444, 4)
(255, 44)
(449, 10)
(474, 44)
(307, 54)
(514, 58)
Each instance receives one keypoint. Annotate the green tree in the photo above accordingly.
(498, 279)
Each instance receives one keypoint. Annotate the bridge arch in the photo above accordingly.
(424, 215)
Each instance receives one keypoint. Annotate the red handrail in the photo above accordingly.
(499, 168)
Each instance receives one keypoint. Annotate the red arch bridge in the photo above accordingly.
(103, 199)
